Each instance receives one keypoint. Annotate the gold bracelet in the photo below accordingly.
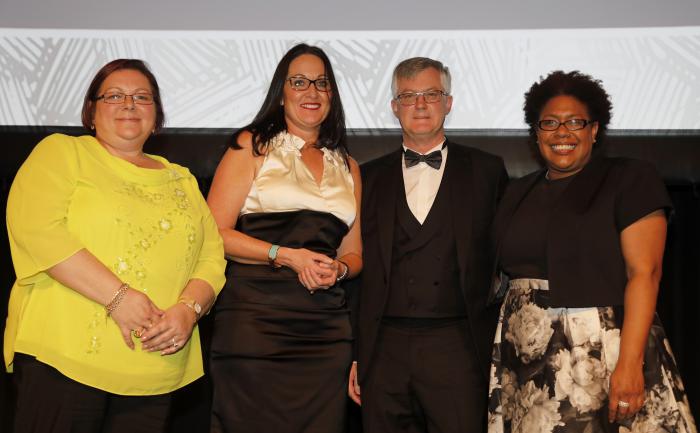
(117, 298)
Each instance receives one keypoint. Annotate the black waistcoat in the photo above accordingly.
(424, 279)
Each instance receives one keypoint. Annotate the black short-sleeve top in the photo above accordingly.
(568, 230)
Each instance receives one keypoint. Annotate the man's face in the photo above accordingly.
(422, 121)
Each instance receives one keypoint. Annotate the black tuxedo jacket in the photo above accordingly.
(476, 182)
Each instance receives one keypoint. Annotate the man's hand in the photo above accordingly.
(353, 385)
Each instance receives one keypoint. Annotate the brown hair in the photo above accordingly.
(88, 111)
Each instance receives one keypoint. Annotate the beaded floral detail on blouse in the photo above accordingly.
(169, 215)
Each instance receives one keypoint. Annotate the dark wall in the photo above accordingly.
(675, 153)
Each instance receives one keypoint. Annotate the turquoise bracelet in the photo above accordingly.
(272, 255)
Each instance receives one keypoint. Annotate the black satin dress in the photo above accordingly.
(280, 356)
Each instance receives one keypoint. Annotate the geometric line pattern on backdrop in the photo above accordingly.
(218, 79)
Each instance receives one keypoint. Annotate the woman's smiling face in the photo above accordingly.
(126, 125)
(566, 152)
(305, 110)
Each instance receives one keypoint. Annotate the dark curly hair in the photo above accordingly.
(581, 86)
(270, 119)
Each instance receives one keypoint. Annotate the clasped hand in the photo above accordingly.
(165, 331)
(315, 271)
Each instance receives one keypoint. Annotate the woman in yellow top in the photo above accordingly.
(117, 257)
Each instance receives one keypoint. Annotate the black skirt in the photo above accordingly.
(280, 356)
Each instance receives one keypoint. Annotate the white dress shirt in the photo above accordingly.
(422, 183)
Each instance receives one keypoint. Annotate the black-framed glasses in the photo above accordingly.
(430, 96)
(140, 98)
(299, 84)
(571, 124)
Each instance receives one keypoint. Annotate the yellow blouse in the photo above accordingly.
(152, 228)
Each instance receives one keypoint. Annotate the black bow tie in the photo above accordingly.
(433, 159)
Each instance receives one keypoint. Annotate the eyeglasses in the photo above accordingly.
(302, 83)
(120, 98)
(410, 98)
(571, 124)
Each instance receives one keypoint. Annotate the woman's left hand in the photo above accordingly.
(171, 332)
(642, 245)
(626, 386)
(322, 281)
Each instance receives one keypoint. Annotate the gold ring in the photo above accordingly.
(174, 343)
(623, 404)
(137, 333)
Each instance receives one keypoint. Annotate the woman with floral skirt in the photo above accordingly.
(579, 245)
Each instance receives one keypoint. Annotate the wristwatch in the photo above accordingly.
(194, 305)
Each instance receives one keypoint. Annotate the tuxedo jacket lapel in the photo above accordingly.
(459, 174)
(390, 185)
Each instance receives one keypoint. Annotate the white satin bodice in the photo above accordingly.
(285, 184)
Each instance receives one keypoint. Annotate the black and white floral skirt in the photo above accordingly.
(551, 369)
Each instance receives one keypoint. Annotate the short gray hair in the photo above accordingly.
(409, 68)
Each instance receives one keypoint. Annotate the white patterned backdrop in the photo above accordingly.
(217, 79)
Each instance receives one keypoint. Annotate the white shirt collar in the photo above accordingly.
(438, 147)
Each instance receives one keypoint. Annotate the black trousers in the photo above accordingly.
(424, 379)
(48, 401)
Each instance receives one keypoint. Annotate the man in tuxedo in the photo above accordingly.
(424, 331)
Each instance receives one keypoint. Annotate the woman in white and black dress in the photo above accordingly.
(286, 199)
(579, 347)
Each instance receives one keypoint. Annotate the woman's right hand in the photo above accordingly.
(314, 269)
(136, 312)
